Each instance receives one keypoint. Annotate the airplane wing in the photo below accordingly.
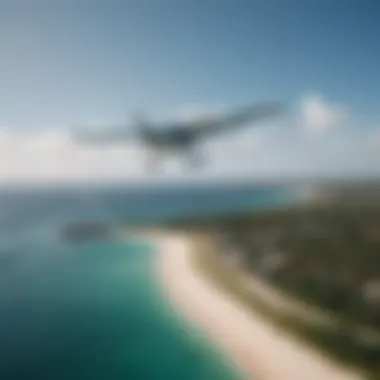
(240, 118)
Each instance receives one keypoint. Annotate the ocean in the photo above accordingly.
(95, 310)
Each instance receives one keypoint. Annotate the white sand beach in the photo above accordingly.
(259, 350)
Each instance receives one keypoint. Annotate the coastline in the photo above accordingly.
(255, 347)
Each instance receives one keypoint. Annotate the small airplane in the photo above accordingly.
(179, 136)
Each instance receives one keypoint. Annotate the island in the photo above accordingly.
(311, 270)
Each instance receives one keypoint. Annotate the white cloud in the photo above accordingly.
(319, 116)
(236, 152)
(53, 155)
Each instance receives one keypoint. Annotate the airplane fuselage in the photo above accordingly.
(182, 137)
(172, 137)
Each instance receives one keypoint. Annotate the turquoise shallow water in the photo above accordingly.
(96, 311)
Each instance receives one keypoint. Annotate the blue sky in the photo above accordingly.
(65, 62)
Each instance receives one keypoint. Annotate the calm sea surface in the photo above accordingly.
(94, 310)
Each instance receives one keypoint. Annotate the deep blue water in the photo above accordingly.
(94, 310)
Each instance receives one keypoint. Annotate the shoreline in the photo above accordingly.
(256, 348)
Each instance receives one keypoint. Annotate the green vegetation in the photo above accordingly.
(329, 256)
(331, 253)
(326, 255)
